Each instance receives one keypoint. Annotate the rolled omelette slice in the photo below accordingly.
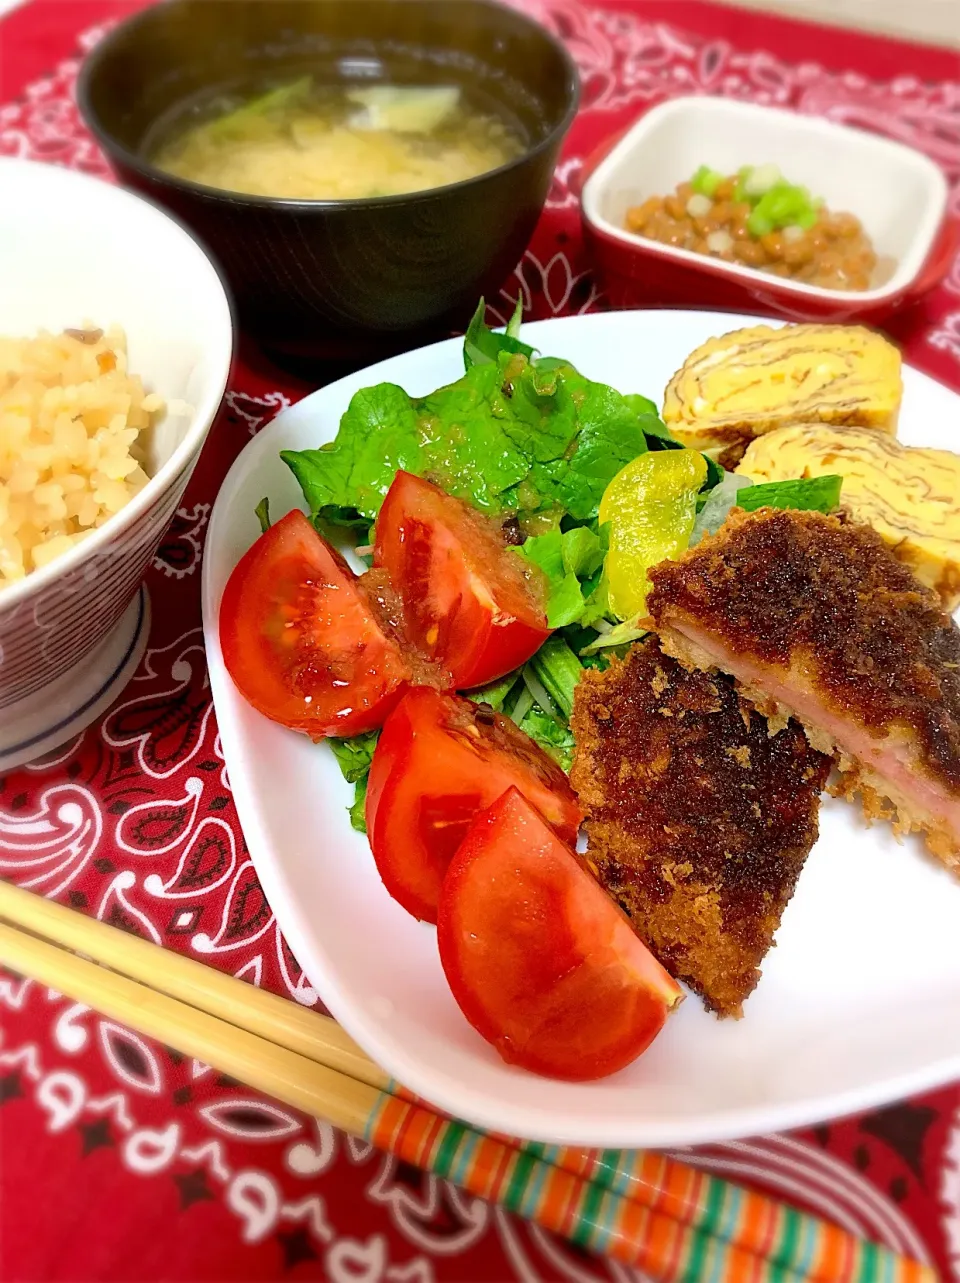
(749, 382)
(910, 495)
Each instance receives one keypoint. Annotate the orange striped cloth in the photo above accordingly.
(676, 1224)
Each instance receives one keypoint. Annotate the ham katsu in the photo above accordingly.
(817, 620)
(699, 820)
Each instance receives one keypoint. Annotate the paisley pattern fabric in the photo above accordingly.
(122, 1160)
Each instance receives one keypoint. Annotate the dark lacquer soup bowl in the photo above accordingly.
(342, 277)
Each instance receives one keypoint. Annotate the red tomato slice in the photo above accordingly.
(300, 638)
(441, 759)
(540, 960)
(469, 603)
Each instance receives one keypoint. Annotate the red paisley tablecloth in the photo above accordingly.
(122, 1160)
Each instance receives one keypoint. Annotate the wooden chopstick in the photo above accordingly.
(557, 1200)
(290, 1052)
(232, 1050)
(277, 1019)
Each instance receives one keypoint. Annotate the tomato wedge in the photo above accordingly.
(301, 640)
(541, 961)
(441, 759)
(469, 602)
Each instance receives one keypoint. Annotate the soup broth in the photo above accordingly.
(308, 141)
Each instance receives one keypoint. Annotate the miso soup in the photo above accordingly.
(308, 141)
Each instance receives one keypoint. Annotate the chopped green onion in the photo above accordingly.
(706, 181)
(775, 202)
(699, 206)
(761, 179)
(779, 203)
(241, 117)
(782, 205)
(758, 225)
(720, 242)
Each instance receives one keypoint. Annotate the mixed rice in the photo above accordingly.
(71, 451)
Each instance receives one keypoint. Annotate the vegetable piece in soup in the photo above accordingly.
(304, 141)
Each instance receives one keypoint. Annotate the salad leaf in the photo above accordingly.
(555, 740)
(715, 474)
(817, 494)
(536, 694)
(810, 494)
(482, 345)
(354, 755)
(607, 434)
(472, 443)
(510, 436)
(378, 435)
(565, 558)
(495, 694)
(599, 659)
(516, 319)
(520, 702)
(546, 700)
(597, 604)
(546, 551)
(577, 637)
(643, 405)
(659, 437)
(357, 812)
(565, 604)
(582, 551)
(556, 668)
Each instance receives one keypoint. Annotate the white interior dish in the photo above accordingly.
(858, 1004)
(899, 195)
(75, 249)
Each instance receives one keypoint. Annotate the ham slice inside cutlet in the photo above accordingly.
(698, 819)
(816, 619)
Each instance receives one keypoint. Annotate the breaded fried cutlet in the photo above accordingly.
(817, 620)
(699, 821)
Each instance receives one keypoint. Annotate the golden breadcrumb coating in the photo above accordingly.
(699, 821)
(817, 619)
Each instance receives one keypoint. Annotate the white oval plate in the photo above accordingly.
(860, 1001)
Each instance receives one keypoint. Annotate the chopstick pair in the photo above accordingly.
(677, 1224)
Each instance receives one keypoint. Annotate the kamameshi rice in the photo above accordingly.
(71, 446)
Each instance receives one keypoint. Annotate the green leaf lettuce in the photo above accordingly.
(511, 437)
